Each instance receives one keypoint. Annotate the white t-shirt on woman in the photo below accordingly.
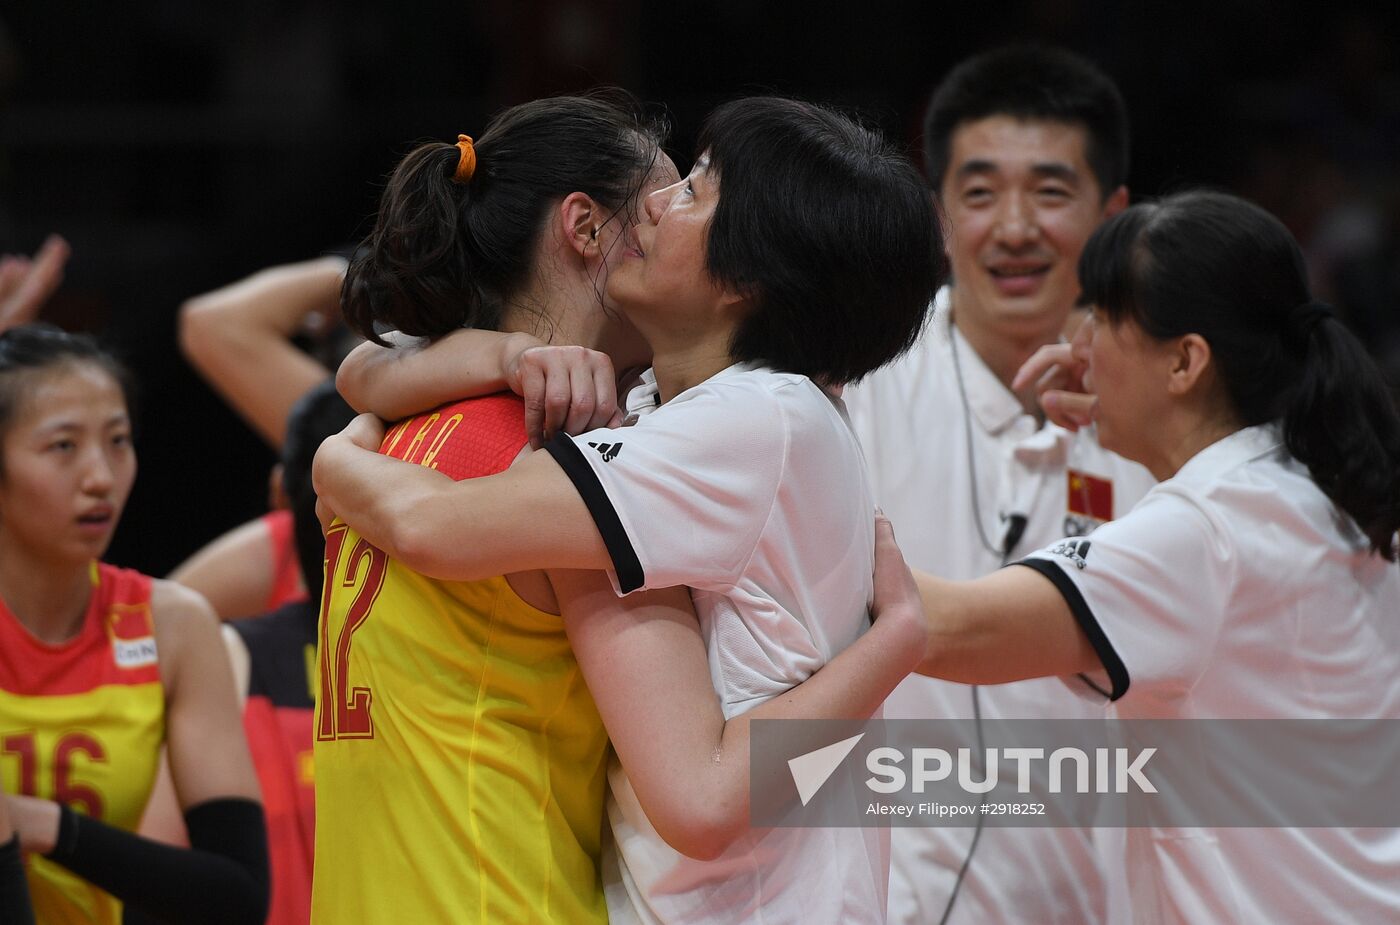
(750, 489)
(1236, 590)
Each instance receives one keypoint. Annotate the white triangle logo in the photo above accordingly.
(811, 770)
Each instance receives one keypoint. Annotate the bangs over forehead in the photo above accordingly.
(32, 351)
(1114, 266)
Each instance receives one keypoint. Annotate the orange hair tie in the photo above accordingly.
(466, 164)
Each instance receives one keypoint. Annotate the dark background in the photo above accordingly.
(181, 144)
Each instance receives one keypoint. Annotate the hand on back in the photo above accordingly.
(572, 389)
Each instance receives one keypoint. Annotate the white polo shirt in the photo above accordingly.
(1236, 590)
(749, 488)
(911, 421)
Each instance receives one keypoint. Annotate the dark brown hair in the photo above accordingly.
(445, 255)
(1215, 265)
(828, 229)
(33, 348)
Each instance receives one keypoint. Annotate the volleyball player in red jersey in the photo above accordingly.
(99, 665)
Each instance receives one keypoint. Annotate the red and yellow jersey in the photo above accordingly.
(286, 567)
(277, 721)
(459, 756)
(82, 723)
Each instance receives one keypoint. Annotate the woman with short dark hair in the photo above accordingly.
(801, 250)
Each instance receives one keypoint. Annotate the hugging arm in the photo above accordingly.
(645, 663)
(1007, 626)
(415, 374)
(528, 517)
(573, 389)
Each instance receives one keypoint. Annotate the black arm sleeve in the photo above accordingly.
(222, 878)
(14, 889)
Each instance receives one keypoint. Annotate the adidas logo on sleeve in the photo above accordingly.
(1074, 550)
(609, 450)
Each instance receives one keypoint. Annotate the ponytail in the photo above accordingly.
(415, 273)
(1218, 266)
(1341, 422)
(458, 224)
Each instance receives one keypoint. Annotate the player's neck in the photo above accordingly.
(48, 598)
(543, 314)
(1180, 437)
(676, 373)
(685, 351)
(559, 310)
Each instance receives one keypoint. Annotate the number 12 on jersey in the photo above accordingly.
(344, 710)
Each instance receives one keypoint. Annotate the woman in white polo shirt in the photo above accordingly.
(1257, 581)
(800, 249)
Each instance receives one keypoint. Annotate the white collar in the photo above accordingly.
(993, 405)
(646, 395)
(1228, 452)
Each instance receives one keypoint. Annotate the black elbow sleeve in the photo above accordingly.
(221, 879)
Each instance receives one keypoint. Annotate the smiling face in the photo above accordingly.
(613, 233)
(1021, 200)
(68, 464)
(663, 272)
(616, 336)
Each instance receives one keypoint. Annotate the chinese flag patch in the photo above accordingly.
(126, 622)
(1090, 496)
(133, 635)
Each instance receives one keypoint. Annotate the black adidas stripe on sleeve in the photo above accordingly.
(624, 557)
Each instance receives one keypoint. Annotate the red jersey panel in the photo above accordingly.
(497, 420)
(277, 719)
(286, 576)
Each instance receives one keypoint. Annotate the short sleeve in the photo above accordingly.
(1150, 592)
(682, 496)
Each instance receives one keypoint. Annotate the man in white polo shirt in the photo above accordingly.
(1027, 149)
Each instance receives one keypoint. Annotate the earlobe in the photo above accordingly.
(739, 302)
(1191, 357)
(577, 217)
